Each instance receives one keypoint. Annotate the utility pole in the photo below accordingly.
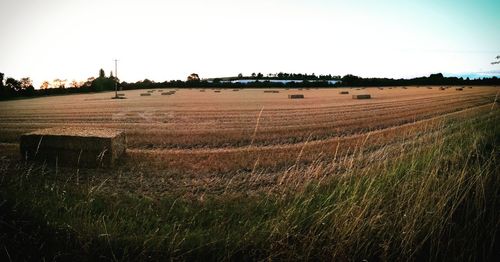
(116, 78)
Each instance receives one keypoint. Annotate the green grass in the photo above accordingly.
(438, 202)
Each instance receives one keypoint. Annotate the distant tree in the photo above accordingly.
(27, 88)
(101, 73)
(193, 78)
(254, 75)
(13, 84)
(26, 82)
(240, 75)
(5, 92)
(59, 83)
(45, 85)
(260, 75)
(436, 76)
(102, 82)
(88, 82)
(111, 74)
(76, 84)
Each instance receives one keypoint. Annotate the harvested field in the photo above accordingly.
(214, 136)
(249, 173)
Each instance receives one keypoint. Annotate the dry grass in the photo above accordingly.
(410, 175)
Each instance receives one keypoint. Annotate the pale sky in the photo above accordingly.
(165, 40)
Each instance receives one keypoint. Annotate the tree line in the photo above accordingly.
(433, 79)
(12, 88)
(280, 76)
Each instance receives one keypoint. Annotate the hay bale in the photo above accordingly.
(74, 147)
(236, 90)
(344, 92)
(470, 86)
(202, 90)
(364, 96)
(146, 94)
(459, 89)
(380, 88)
(442, 88)
(429, 87)
(296, 96)
(217, 91)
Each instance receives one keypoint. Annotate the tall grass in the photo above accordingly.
(438, 202)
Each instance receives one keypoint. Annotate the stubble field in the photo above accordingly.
(410, 174)
(198, 141)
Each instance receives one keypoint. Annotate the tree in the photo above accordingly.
(27, 88)
(103, 83)
(240, 75)
(193, 78)
(5, 92)
(101, 73)
(59, 83)
(260, 75)
(76, 84)
(253, 75)
(13, 84)
(45, 85)
(26, 82)
(89, 81)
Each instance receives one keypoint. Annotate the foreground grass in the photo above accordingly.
(429, 203)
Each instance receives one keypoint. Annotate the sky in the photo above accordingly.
(169, 39)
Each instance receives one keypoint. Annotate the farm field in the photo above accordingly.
(238, 171)
(199, 138)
